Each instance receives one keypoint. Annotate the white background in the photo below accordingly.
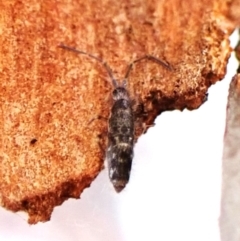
(173, 194)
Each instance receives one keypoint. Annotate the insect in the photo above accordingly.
(121, 122)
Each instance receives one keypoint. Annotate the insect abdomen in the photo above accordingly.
(120, 143)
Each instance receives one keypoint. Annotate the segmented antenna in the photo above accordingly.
(149, 57)
(109, 71)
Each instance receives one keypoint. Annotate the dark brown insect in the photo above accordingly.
(119, 152)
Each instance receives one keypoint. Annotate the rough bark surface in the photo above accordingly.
(49, 151)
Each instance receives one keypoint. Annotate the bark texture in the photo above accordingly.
(49, 149)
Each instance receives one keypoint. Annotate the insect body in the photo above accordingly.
(119, 153)
(120, 139)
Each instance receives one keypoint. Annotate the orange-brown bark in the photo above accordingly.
(49, 152)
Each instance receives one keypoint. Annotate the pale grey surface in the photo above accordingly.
(230, 204)
(174, 192)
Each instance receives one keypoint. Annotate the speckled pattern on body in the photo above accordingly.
(121, 124)
(120, 139)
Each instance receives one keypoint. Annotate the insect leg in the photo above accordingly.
(97, 118)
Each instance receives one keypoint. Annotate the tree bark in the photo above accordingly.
(50, 148)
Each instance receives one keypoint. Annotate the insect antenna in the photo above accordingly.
(149, 57)
(108, 69)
